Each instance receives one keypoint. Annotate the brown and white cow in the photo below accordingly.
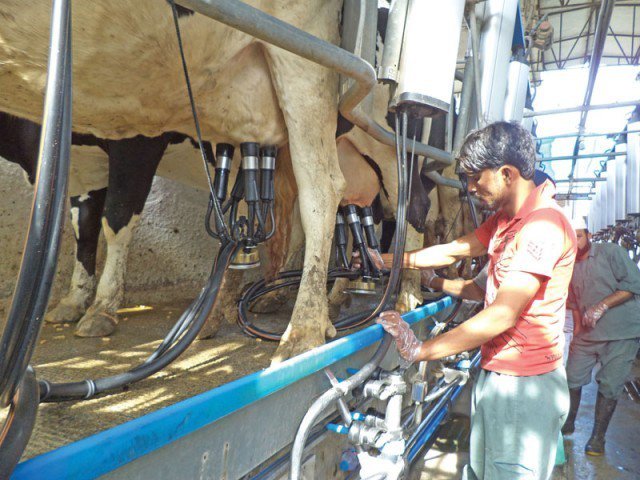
(128, 81)
(246, 91)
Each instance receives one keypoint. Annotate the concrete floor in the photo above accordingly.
(206, 364)
(62, 357)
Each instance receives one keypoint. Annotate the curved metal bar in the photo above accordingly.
(272, 30)
(19, 424)
(47, 214)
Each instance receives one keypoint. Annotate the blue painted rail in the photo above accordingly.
(108, 450)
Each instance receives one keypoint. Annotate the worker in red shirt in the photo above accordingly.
(520, 398)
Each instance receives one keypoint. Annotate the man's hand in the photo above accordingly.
(426, 277)
(406, 341)
(593, 314)
(380, 261)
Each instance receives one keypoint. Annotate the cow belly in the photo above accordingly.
(183, 163)
(89, 170)
(136, 86)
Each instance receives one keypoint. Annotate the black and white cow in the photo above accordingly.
(108, 185)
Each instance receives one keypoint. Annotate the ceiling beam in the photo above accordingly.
(602, 26)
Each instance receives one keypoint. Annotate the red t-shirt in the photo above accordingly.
(538, 240)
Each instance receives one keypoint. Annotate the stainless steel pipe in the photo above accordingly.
(269, 29)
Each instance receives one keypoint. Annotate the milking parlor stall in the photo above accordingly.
(186, 185)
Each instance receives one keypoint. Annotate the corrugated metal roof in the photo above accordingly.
(574, 25)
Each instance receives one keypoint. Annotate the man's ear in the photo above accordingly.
(508, 173)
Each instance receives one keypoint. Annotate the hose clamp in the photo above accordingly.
(91, 389)
(224, 162)
(367, 221)
(268, 163)
(46, 386)
(249, 162)
(339, 219)
(353, 218)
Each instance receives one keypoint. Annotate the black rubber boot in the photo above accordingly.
(604, 411)
(570, 424)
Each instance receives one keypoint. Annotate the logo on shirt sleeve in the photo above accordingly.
(535, 249)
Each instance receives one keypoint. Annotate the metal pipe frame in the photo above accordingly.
(582, 180)
(555, 111)
(468, 81)
(584, 135)
(604, 20)
(580, 157)
(269, 29)
(573, 196)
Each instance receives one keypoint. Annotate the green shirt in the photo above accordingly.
(606, 270)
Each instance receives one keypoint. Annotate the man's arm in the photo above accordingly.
(467, 289)
(436, 256)
(627, 278)
(444, 255)
(513, 296)
(596, 312)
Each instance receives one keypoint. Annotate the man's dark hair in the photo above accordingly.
(498, 144)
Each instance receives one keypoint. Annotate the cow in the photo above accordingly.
(109, 183)
(246, 91)
(98, 179)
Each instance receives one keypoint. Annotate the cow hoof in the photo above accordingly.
(96, 325)
(335, 308)
(297, 341)
(228, 314)
(210, 328)
(64, 313)
(269, 303)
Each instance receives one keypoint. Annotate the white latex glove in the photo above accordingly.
(406, 341)
(593, 314)
(426, 277)
(376, 258)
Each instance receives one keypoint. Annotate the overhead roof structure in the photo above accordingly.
(574, 27)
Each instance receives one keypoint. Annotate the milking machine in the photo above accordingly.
(409, 403)
(364, 281)
(614, 214)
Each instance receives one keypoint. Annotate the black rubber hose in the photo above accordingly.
(197, 314)
(341, 240)
(19, 424)
(47, 214)
(285, 279)
(369, 228)
(219, 214)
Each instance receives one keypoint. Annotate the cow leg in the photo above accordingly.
(273, 301)
(86, 211)
(132, 164)
(311, 124)
(226, 306)
(410, 295)
(338, 298)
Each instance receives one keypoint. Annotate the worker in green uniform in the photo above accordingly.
(606, 291)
